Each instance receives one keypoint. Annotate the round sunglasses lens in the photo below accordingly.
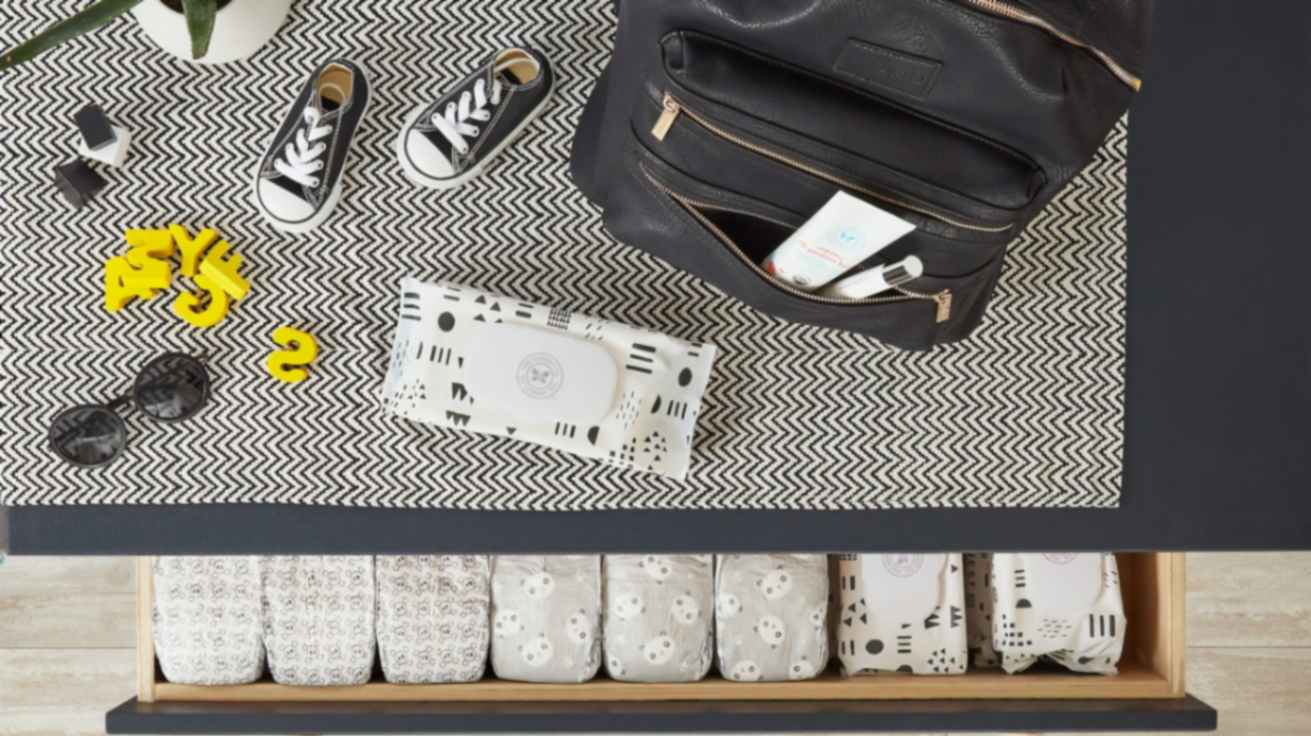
(172, 387)
(88, 435)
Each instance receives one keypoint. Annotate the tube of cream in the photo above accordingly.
(844, 232)
(875, 280)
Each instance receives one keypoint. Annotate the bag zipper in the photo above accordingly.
(1020, 15)
(671, 108)
(693, 207)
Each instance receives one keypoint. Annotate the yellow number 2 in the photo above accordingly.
(300, 348)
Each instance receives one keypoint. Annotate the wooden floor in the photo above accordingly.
(66, 641)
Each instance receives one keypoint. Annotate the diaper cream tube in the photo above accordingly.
(844, 232)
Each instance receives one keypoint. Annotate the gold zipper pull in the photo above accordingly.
(667, 117)
(943, 299)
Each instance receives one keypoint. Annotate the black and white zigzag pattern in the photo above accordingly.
(1026, 413)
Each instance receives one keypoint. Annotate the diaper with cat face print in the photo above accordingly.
(978, 610)
(319, 619)
(433, 617)
(546, 617)
(1060, 606)
(902, 613)
(771, 616)
(658, 619)
(207, 620)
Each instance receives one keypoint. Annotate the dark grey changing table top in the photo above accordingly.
(1219, 385)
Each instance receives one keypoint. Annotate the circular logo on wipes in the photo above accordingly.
(902, 566)
(540, 376)
(1060, 558)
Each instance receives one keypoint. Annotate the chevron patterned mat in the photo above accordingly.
(1027, 413)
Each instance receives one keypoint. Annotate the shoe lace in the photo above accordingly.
(301, 159)
(455, 122)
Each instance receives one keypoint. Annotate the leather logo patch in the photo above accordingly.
(884, 67)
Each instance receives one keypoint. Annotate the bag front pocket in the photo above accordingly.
(751, 237)
(726, 236)
(681, 132)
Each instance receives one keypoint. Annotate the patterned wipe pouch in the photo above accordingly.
(978, 610)
(902, 613)
(207, 620)
(658, 621)
(546, 617)
(471, 360)
(1064, 607)
(771, 616)
(433, 617)
(318, 619)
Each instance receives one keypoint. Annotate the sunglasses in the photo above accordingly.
(170, 388)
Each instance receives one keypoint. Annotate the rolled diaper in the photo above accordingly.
(546, 617)
(771, 616)
(1064, 607)
(658, 617)
(902, 613)
(433, 617)
(207, 621)
(978, 610)
(319, 619)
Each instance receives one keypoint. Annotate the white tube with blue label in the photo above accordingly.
(842, 234)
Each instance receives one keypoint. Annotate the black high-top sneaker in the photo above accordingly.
(299, 180)
(447, 142)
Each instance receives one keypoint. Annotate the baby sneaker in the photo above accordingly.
(299, 179)
(447, 142)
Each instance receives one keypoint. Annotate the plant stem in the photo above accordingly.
(91, 18)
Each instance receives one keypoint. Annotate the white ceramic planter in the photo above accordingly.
(240, 28)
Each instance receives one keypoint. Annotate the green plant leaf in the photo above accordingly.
(91, 18)
(200, 24)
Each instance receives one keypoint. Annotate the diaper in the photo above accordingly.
(978, 610)
(771, 616)
(1064, 607)
(469, 360)
(433, 617)
(546, 617)
(658, 617)
(207, 620)
(902, 613)
(318, 619)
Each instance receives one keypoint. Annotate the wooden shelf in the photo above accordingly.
(1134, 681)
(1151, 668)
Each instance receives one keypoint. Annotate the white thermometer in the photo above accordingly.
(875, 280)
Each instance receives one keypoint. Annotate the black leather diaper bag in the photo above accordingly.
(720, 126)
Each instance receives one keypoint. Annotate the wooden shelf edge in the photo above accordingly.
(1133, 682)
(146, 685)
(1178, 623)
